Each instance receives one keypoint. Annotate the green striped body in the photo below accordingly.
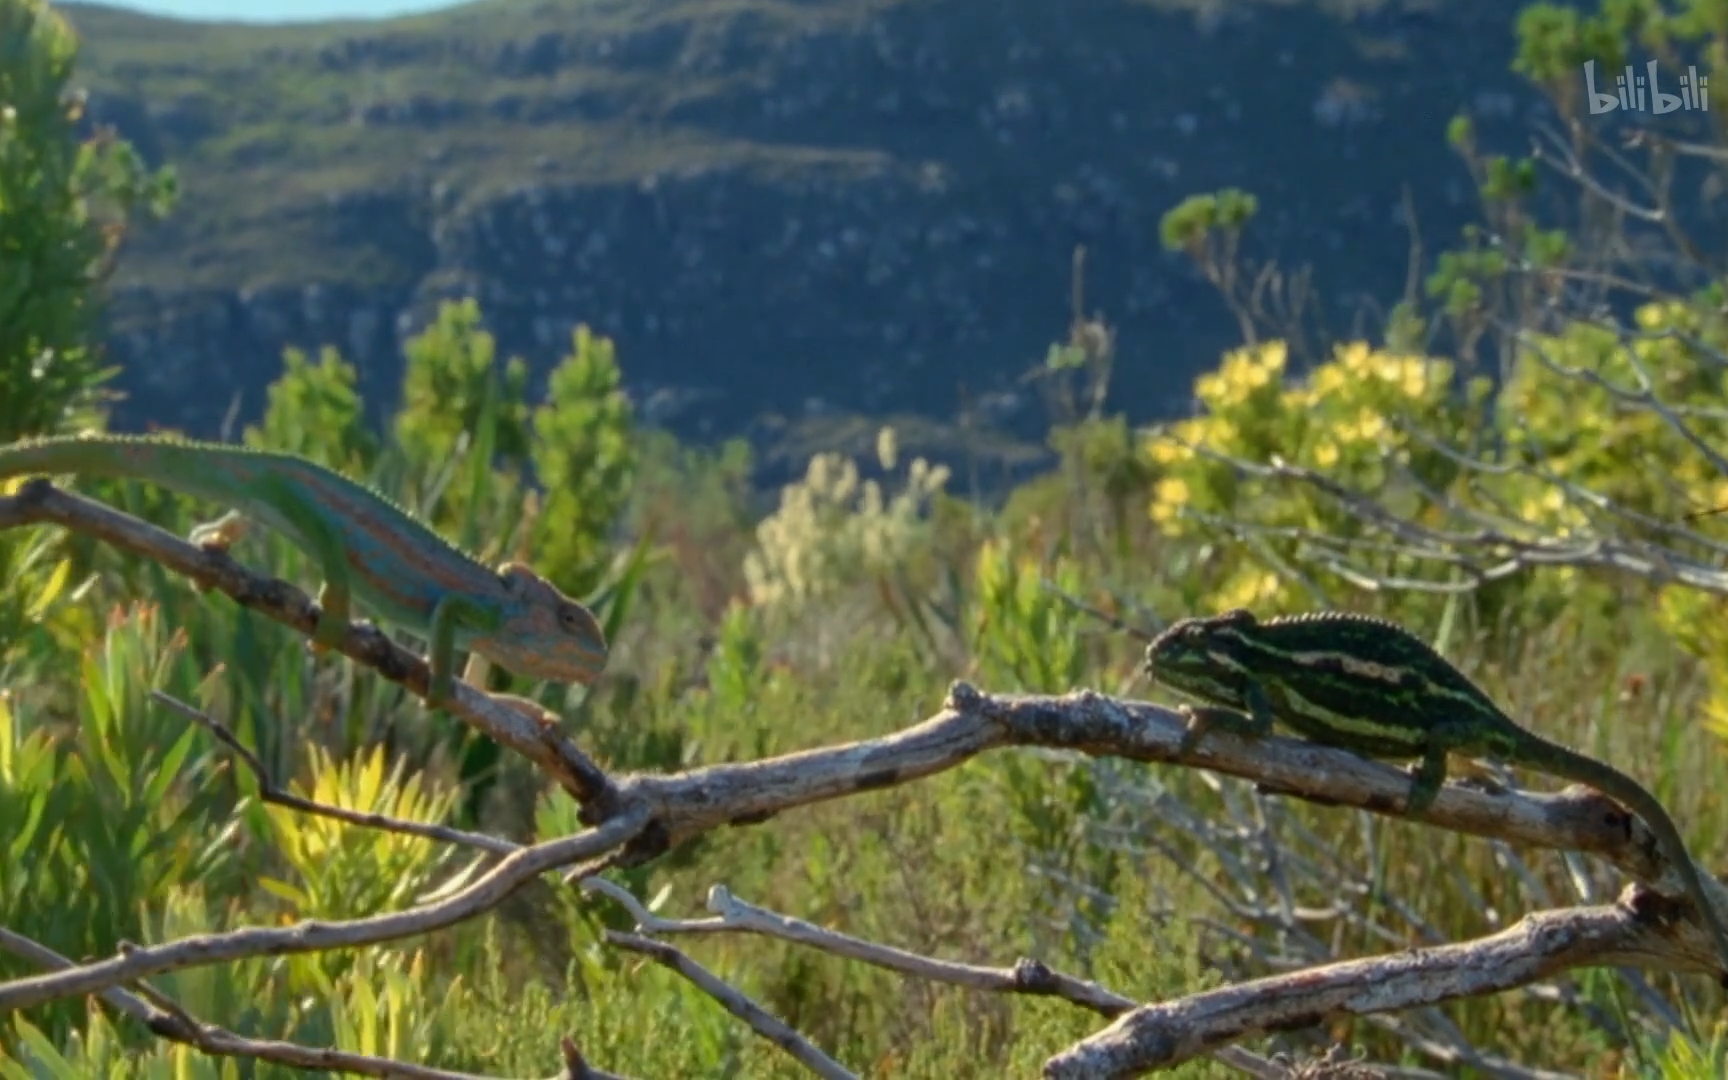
(1345, 680)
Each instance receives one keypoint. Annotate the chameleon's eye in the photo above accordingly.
(577, 620)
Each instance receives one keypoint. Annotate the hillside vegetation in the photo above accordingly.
(1506, 466)
(886, 192)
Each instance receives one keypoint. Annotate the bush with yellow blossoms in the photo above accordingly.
(1572, 410)
(1592, 423)
(1577, 425)
(1351, 418)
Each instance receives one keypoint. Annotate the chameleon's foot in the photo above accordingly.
(1422, 793)
(328, 635)
(1204, 718)
(533, 710)
(440, 690)
(1196, 730)
(332, 622)
(221, 534)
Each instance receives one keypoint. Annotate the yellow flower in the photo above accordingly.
(1253, 377)
(1172, 490)
(1652, 316)
(1212, 389)
(1326, 454)
(1413, 379)
(1328, 379)
(1247, 589)
(1354, 357)
(1368, 426)
(1177, 445)
(1273, 356)
(1165, 451)
(1255, 368)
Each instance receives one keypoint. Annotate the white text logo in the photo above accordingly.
(1632, 90)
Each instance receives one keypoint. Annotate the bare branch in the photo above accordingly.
(1539, 945)
(683, 806)
(576, 1068)
(1027, 976)
(759, 1019)
(735, 916)
(167, 1020)
(490, 890)
(270, 793)
(1643, 560)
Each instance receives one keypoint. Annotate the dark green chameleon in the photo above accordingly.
(1370, 686)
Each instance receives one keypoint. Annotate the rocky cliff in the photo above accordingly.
(775, 206)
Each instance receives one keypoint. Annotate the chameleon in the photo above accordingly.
(364, 544)
(1367, 685)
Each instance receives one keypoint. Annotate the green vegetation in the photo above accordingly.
(1506, 470)
(359, 123)
(64, 206)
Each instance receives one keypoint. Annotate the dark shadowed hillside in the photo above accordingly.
(775, 206)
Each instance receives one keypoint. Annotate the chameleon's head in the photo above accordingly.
(547, 635)
(1203, 657)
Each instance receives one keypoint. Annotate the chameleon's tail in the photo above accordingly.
(1623, 789)
(201, 470)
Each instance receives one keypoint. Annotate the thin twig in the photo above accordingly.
(733, 1001)
(270, 793)
(198, 950)
(170, 1021)
(1027, 976)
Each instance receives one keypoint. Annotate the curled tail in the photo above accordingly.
(1636, 798)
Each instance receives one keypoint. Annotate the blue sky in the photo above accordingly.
(281, 10)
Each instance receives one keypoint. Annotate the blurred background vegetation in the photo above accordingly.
(841, 607)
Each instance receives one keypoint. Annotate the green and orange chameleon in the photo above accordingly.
(365, 546)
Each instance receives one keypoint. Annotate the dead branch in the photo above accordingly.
(1539, 945)
(760, 1020)
(1027, 976)
(169, 1021)
(490, 890)
(675, 808)
(1511, 552)
(270, 793)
